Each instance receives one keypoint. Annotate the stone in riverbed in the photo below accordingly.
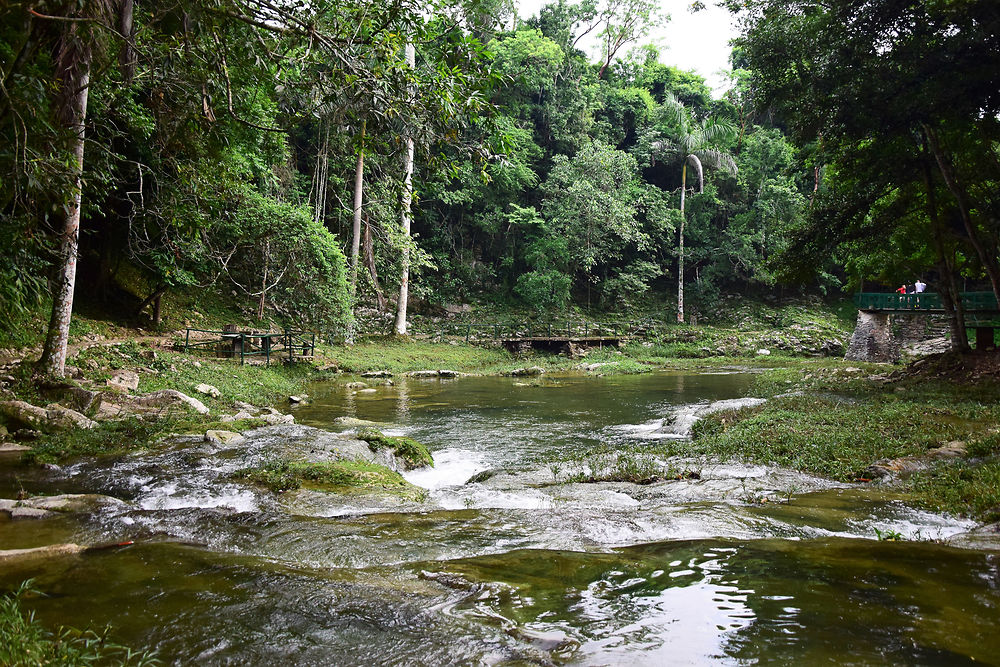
(423, 374)
(532, 371)
(224, 437)
(377, 374)
(355, 385)
(274, 419)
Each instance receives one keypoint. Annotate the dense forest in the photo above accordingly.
(314, 155)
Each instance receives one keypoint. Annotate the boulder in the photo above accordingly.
(532, 371)
(423, 374)
(124, 381)
(53, 417)
(274, 419)
(355, 385)
(763, 352)
(242, 414)
(115, 407)
(208, 390)
(224, 437)
(950, 450)
(449, 374)
(304, 398)
(170, 397)
(246, 407)
(377, 374)
(12, 447)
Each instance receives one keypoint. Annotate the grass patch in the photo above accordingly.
(252, 384)
(106, 439)
(412, 452)
(833, 436)
(961, 487)
(25, 641)
(334, 476)
(400, 355)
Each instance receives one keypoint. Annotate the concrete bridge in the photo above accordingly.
(873, 339)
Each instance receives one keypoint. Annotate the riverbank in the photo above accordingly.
(824, 415)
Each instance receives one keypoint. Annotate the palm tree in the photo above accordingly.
(698, 143)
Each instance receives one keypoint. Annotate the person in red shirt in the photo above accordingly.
(901, 290)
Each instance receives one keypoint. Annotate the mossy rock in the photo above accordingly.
(413, 453)
(331, 476)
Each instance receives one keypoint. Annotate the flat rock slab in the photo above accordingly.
(38, 553)
(41, 507)
(52, 417)
(306, 443)
(12, 447)
(354, 422)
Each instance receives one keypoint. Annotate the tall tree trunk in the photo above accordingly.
(988, 259)
(359, 185)
(404, 280)
(73, 67)
(951, 298)
(680, 249)
(127, 57)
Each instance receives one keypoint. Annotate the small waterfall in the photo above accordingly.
(683, 419)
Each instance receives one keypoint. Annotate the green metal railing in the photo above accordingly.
(927, 302)
(246, 344)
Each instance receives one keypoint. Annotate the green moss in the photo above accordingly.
(412, 452)
(25, 641)
(333, 476)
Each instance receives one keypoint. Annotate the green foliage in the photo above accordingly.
(24, 641)
(412, 452)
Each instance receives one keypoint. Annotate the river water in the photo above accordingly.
(521, 567)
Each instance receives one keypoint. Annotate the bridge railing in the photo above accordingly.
(926, 301)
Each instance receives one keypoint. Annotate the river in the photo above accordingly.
(522, 567)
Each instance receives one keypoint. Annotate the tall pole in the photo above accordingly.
(680, 249)
(404, 282)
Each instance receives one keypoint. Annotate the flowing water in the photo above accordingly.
(519, 567)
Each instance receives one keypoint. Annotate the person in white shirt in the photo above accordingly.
(919, 286)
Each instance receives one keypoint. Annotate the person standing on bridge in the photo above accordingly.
(918, 289)
(901, 290)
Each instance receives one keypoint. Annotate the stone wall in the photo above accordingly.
(872, 339)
